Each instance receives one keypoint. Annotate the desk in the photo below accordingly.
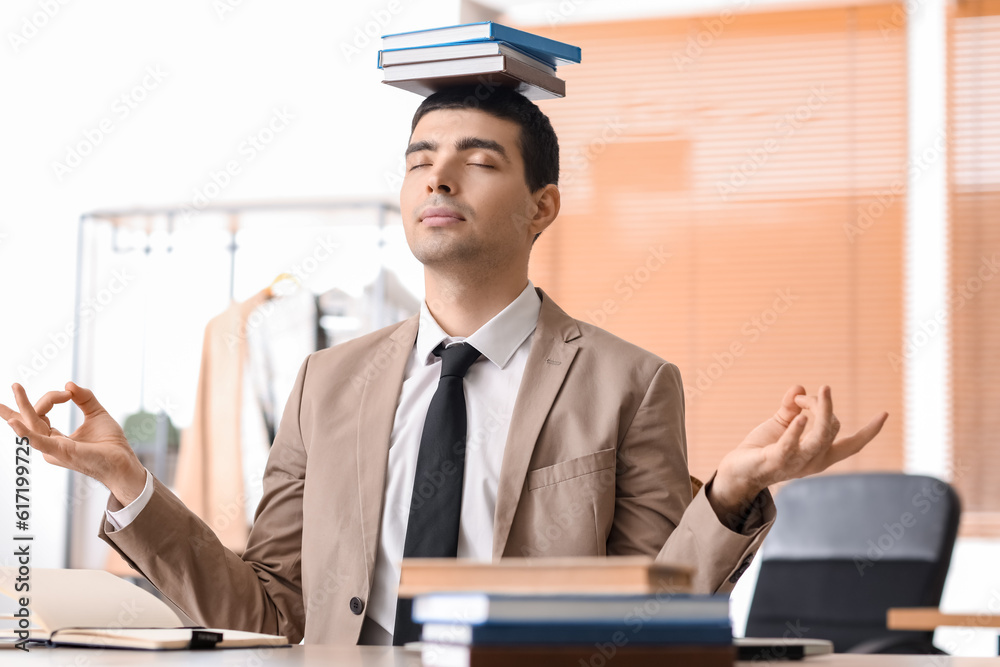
(376, 656)
(929, 618)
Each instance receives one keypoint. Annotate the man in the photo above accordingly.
(574, 445)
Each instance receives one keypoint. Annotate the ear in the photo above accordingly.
(547, 202)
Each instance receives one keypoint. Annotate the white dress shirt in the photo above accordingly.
(127, 514)
(491, 387)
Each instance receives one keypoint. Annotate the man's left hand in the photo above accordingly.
(799, 440)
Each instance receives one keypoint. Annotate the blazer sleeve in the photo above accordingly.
(180, 554)
(655, 513)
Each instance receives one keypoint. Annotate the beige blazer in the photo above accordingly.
(595, 463)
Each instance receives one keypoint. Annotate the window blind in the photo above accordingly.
(733, 200)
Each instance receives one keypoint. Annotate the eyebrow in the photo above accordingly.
(463, 144)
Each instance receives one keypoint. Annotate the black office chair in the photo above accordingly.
(846, 548)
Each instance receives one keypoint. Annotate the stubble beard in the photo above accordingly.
(461, 257)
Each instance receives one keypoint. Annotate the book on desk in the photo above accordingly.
(525, 612)
(93, 608)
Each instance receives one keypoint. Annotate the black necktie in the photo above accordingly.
(436, 502)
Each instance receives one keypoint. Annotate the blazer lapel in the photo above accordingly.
(548, 362)
(377, 413)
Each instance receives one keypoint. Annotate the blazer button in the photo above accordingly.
(357, 606)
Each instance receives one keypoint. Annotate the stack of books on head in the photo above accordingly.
(485, 54)
(586, 613)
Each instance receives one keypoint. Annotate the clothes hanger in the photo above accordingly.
(270, 292)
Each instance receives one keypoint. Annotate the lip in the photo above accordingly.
(439, 216)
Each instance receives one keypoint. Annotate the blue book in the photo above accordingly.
(647, 633)
(478, 608)
(542, 48)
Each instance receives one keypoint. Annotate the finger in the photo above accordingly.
(815, 442)
(85, 399)
(50, 399)
(24, 405)
(825, 417)
(815, 404)
(807, 402)
(43, 443)
(834, 427)
(853, 444)
(789, 452)
(789, 408)
(6, 413)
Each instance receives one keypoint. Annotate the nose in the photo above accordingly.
(440, 179)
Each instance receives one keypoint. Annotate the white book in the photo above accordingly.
(390, 57)
(477, 608)
(152, 639)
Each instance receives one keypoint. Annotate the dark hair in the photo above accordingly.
(538, 143)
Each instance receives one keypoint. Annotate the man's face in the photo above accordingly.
(468, 165)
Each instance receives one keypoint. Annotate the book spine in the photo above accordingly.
(440, 655)
(435, 36)
(533, 76)
(437, 53)
(555, 615)
(531, 60)
(608, 609)
(545, 634)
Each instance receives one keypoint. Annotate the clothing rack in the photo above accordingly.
(138, 219)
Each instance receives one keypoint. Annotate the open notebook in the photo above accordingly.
(96, 608)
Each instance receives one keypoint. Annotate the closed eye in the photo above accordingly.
(474, 164)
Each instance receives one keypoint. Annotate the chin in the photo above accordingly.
(442, 251)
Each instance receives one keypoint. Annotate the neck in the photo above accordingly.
(461, 305)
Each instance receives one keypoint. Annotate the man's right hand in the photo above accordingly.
(98, 448)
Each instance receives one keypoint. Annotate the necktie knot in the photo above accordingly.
(456, 360)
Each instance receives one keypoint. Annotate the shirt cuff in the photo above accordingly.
(126, 515)
(752, 518)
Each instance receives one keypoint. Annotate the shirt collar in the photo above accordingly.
(497, 340)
